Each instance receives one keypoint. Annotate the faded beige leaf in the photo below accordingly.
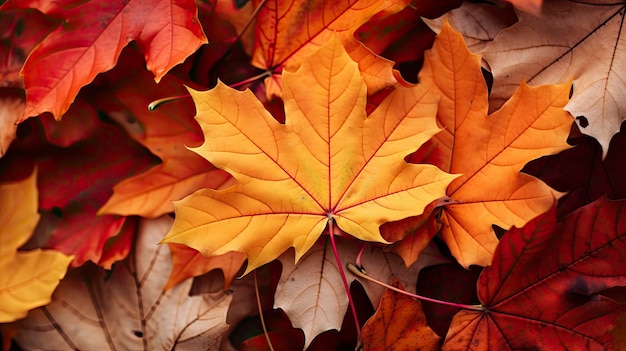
(571, 39)
(478, 22)
(242, 306)
(312, 292)
(128, 310)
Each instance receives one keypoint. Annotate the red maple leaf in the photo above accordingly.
(543, 289)
(91, 38)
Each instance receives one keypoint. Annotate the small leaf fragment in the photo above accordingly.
(28, 278)
(399, 324)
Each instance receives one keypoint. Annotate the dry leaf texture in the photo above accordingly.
(571, 39)
(129, 310)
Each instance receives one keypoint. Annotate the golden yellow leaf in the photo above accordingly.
(328, 161)
(489, 151)
(27, 279)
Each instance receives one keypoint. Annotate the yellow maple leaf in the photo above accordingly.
(489, 151)
(27, 279)
(328, 161)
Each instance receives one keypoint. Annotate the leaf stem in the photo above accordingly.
(258, 303)
(250, 20)
(158, 103)
(360, 272)
(251, 79)
(331, 231)
(359, 257)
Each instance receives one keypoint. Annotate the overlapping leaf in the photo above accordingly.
(572, 39)
(399, 324)
(489, 151)
(289, 31)
(20, 31)
(388, 34)
(91, 39)
(329, 161)
(543, 289)
(478, 22)
(582, 173)
(312, 292)
(167, 132)
(531, 6)
(27, 279)
(74, 182)
(446, 282)
(11, 109)
(188, 263)
(129, 310)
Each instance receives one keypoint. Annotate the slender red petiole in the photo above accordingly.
(251, 79)
(331, 231)
(359, 257)
(360, 272)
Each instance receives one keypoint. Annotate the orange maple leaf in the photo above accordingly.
(93, 36)
(399, 324)
(289, 31)
(188, 263)
(329, 161)
(531, 6)
(489, 151)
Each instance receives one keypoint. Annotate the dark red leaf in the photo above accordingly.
(446, 282)
(582, 173)
(543, 289)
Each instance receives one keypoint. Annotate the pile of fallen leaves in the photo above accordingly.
(287, 175)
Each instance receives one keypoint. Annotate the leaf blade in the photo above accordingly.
(547, 279)
(490, 150)
(90, 44)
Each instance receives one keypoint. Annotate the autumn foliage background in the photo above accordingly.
(201, 175)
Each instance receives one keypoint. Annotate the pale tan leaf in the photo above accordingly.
(312, 292)
(571, 39)
(478, 22)
(129, 310)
